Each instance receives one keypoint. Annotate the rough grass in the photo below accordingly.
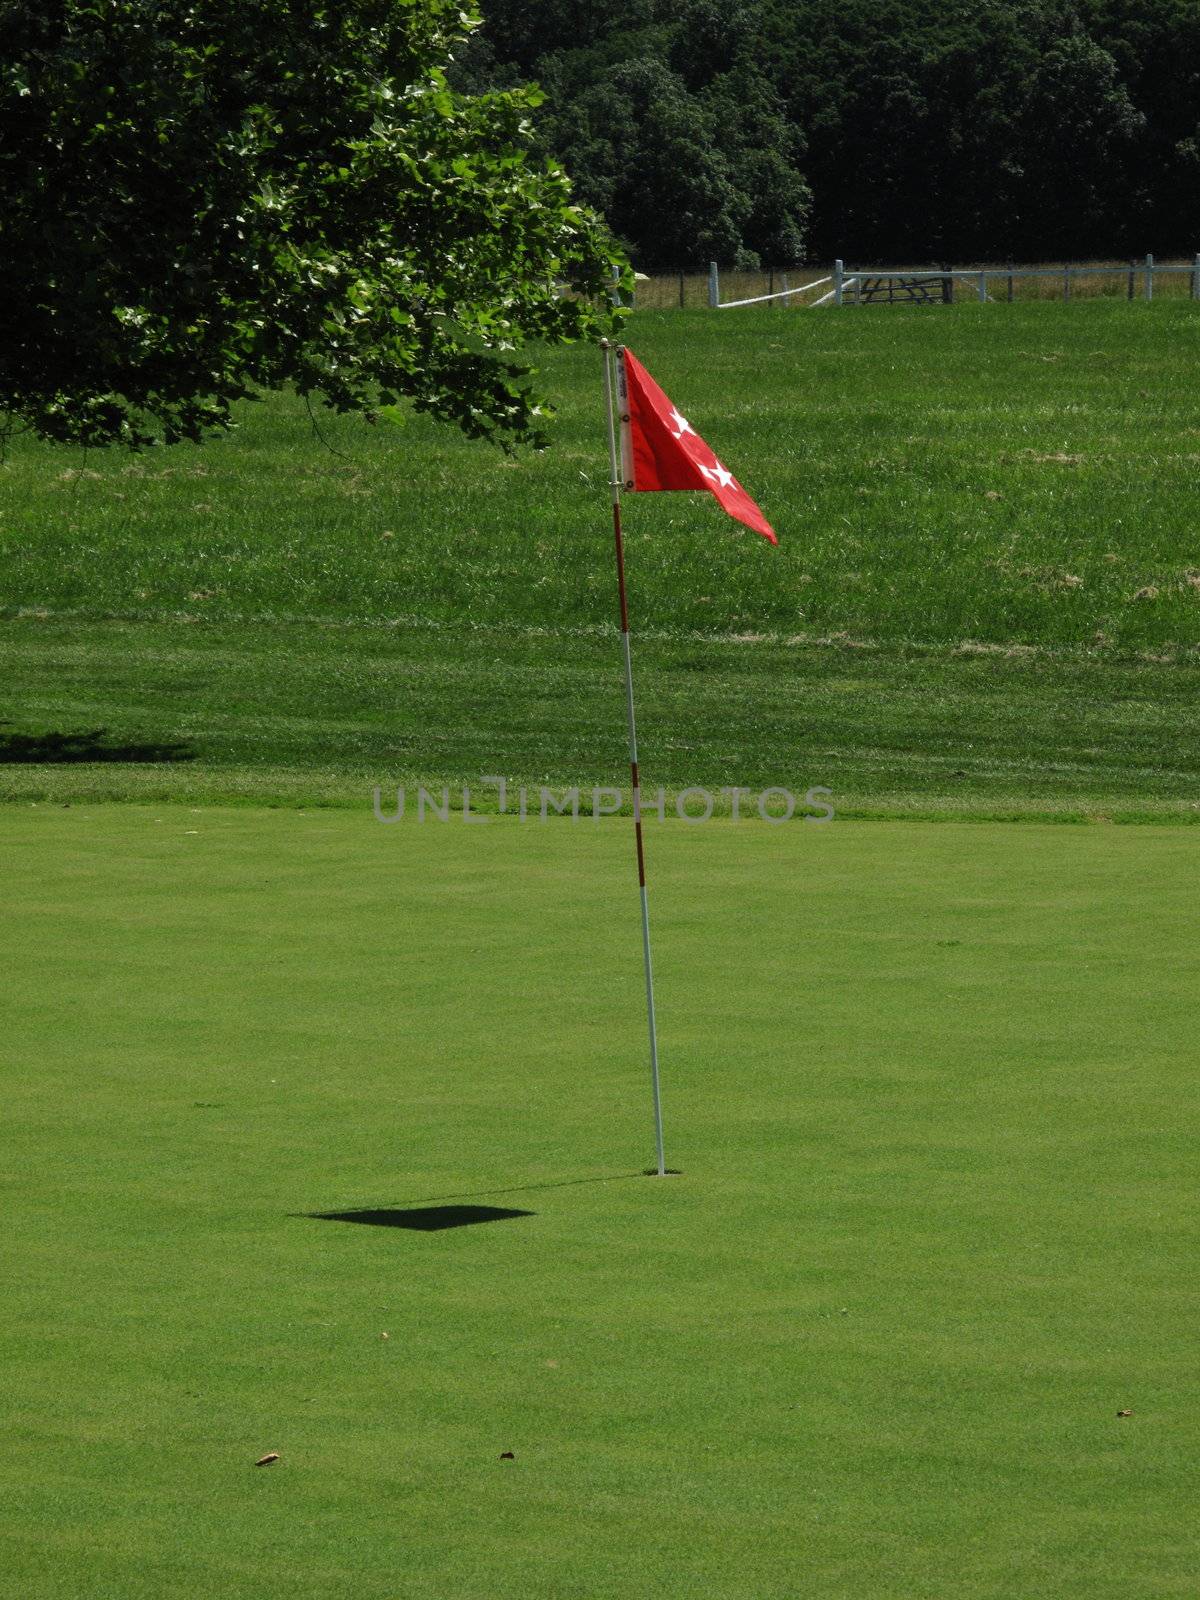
(985, 602)
(1002, 474)
(929, 1089)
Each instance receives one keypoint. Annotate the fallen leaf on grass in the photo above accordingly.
(1124, 1413)
(507, 1455)
(268, 1460)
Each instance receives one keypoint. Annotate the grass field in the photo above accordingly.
(983, 474)
(931, 1086)
(319, 716)
(932, 1090)
(985, 601)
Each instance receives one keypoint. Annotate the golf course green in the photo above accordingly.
(935, 1227)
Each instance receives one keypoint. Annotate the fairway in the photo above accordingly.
(932, 1089)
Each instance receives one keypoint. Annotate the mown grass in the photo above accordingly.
(936, 1225)
(302, 715)
(1017, 482)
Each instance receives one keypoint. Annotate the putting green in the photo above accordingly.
(933, 1091)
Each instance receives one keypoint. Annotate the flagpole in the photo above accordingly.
(610, 351)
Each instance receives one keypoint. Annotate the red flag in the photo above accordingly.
(661, 450)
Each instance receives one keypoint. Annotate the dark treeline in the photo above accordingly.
(770, 131)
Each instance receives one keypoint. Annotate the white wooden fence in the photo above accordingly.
(802, 288)
(847, 287)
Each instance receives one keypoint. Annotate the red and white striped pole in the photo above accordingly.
(613, 354)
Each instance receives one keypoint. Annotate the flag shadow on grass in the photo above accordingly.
(57, 749)
(421, 1219)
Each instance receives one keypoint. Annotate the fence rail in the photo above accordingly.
(797, 288)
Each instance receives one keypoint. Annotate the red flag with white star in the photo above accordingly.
(661, 450)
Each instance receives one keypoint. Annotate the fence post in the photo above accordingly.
(983, 286)
(615, 292)
(714, 286)
(838, 273)
(681, 291)
(1149, 277)
(783, 280)
(1010, 283)
(771, 280)
(1066, 283)
(1129, 295)
(1196, 277)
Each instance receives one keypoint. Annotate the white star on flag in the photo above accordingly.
(682, 424)
(722, 475)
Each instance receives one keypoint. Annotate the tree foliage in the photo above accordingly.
(971, 132)
(665, 119)
(201, 198)
(918, 130)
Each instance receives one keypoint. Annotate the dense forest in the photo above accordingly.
(759, 132)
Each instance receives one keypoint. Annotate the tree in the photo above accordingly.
(1080, 127)
(200, 199)
(927, 129)
(954, 131)
(1156, 47)
(764, 152)
(672, 188)
(661, 111)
